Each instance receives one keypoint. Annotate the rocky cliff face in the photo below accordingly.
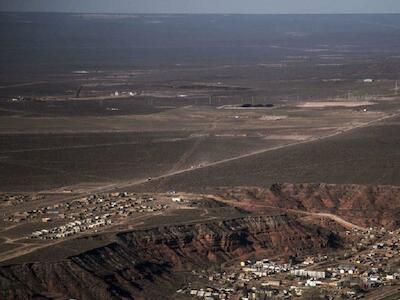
(151, 257)
(360, 204)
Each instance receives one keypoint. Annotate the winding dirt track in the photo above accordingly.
(318, 215)
(335, 218)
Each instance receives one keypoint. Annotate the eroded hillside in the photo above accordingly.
(153, 257)
(360, 204)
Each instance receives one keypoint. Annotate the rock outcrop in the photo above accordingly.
(125, 269)
(361, 204)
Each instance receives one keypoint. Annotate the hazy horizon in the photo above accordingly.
(204, 7)
(192, 13)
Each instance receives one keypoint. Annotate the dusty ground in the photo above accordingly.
(177, 121)
(51, 152)
(365, 155)
(322, 104)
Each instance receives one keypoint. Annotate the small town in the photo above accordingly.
(368, 263)
(372, 263)
(86, 213)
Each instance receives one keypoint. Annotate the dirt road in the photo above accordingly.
(127, 184)
(333, 217)
(319, 215)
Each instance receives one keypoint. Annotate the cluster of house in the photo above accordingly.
(346, 276)
(114, 204)
(229, 284)
(357, 275)
(34, 213)
(72, 228)
(261, 268)
(366, 278)
(263, 292)
(367, 265)
(209, 293)
(381, 251)
(87, 213)
(14, 199)
(118, 204)
(372, 234)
